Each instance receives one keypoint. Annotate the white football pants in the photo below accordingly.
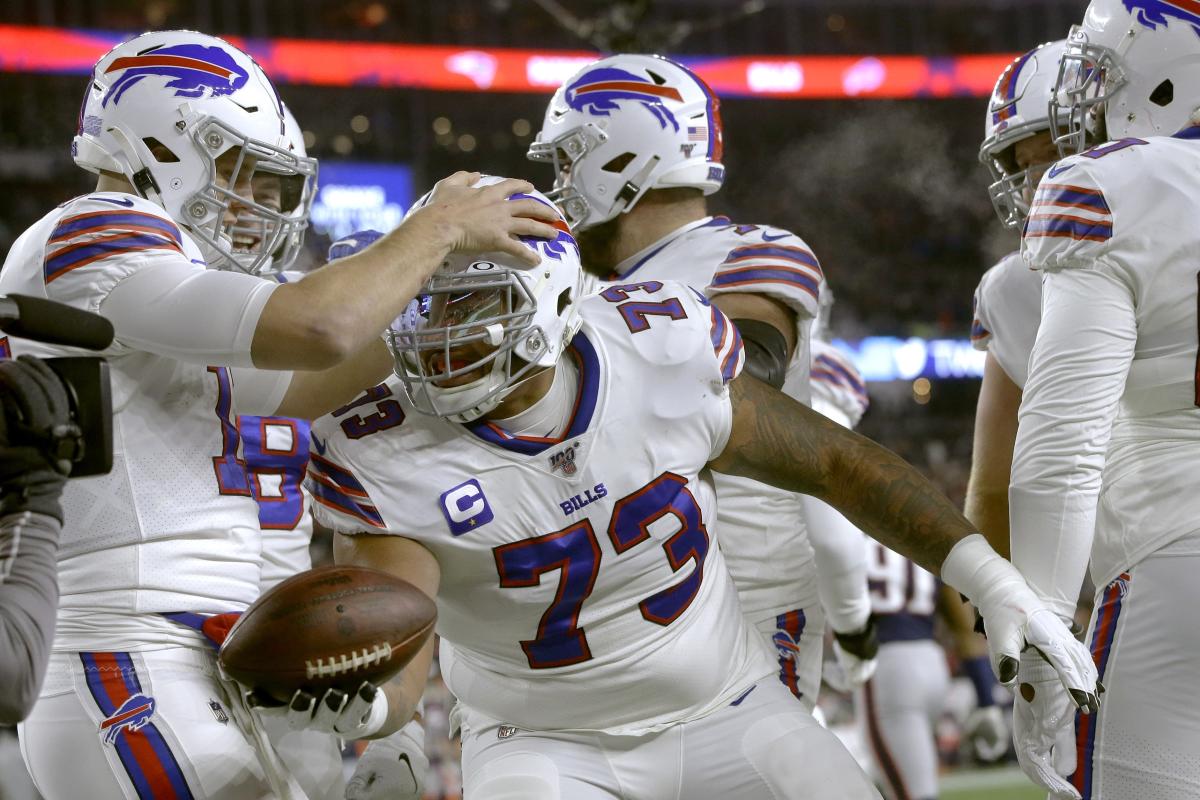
(762, 746)
(897, 711)
(157, 724)
(1145, 639)
(798, 636)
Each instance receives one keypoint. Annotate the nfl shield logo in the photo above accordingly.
(564, 460)
(218, 712)
(505, 732)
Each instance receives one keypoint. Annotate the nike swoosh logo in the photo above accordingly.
(126, 203)
(1059, 169)
(317, 444)
(769, 238)
(200, 261)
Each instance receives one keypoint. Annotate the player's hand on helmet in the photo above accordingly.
(353, 243)
(349, 716)
(987, 733)
(1014, 618)
(483, 219)
(855, 652)
(1044, 727)
(38, 440)
(392, 768)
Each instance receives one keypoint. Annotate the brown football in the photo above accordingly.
(328, 627)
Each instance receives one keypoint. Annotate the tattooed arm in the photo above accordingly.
(778, 441)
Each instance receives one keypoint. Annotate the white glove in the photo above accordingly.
(1044, 727)
(849, 671)
(856, 658)
(335, 712)
(392, 768)
(1014, 618)
(987, 733)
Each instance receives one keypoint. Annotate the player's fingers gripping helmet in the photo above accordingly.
(624, 125)
(189, 120)
(1019, 108)
(484, 323)
(1131, 69)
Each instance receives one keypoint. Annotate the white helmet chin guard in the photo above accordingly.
(191, 122)
(1131, 69)
(484, 323)
(1019, 108)
(624, 125)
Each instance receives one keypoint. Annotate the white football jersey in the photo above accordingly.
(173, 526)
(772, 573)
(1008, 308)
(838, 389)
(1126, 213)
(581, 585)
(902, 594)
(275, 450)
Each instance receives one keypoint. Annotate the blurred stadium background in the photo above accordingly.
(854, 123)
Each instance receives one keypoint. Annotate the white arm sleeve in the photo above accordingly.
(198, 316)
(840, 553)
(259, 391)
(1077, 374)
(839, 548)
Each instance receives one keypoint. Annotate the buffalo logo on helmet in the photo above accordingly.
(133, 714)
(551, 248)
(1004, 97)
(1153, 13)
(192, 69)
(600, 92)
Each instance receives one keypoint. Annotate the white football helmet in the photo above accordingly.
(163, 108)
(624, 125)
(1131, 69)
(484, 323)
(289, 193)
(1019, 108)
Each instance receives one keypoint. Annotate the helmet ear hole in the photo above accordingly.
(564, 300)
(1163, 94)
(619, 163)
(162, 154)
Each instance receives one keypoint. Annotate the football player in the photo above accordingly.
(177, 125)
(276, 451)
(1109, 433)
(539, 466)
(636, 143)
(898, 706)
(1017, 149)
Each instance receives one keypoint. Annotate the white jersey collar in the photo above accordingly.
(635, 261)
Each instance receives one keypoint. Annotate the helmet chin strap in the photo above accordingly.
(632, 189)
(141, 177)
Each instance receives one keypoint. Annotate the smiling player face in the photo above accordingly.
(468, 343)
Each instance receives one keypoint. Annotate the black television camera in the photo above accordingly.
(85, 377)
